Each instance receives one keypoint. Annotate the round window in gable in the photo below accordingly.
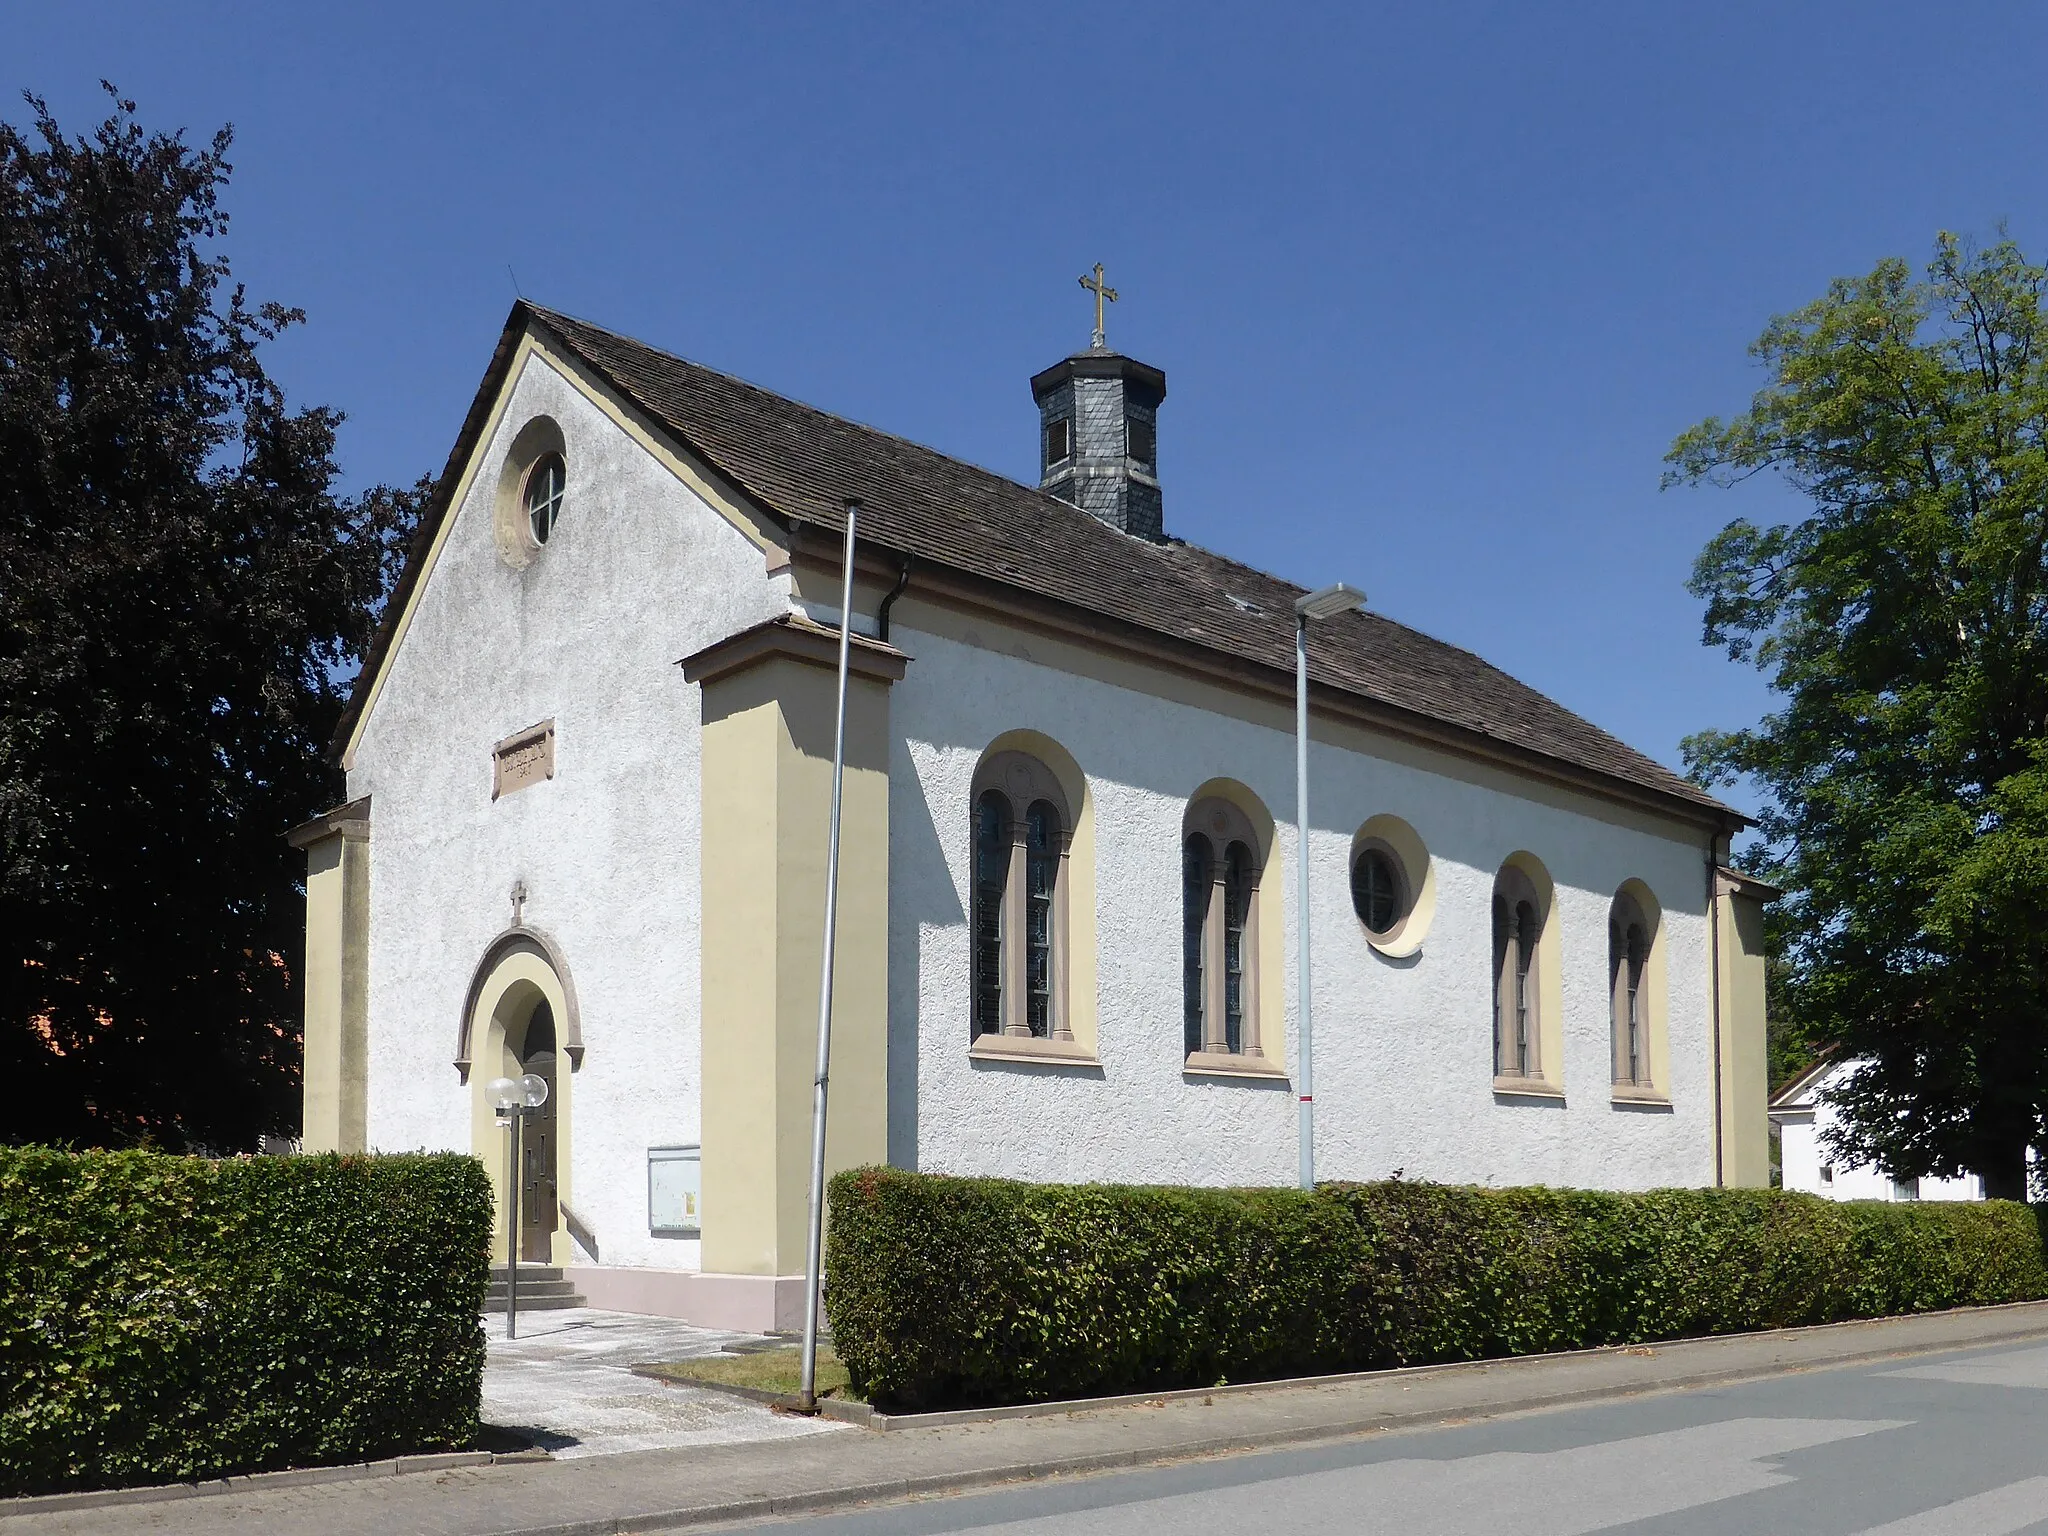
(545, 483)
(1376, 894)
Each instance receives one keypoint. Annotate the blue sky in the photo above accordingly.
(1434, 287)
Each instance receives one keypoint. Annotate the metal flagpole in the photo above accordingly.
(814, 1256)
(1307, 1084)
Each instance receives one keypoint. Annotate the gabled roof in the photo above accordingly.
(798, 464)
(1800, 1093)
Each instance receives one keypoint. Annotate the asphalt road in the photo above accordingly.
(1949, 1444)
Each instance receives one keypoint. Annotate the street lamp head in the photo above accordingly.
(503, 1092)
(1325, 601)
(533, 1090)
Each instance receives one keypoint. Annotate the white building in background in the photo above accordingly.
(588, 762)
(1803, 1116)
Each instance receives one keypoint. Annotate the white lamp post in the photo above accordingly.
(1319, 604)
(514, 1098)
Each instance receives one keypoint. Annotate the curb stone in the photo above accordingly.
(156, 1493)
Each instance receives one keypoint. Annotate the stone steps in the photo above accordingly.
(542, 1288)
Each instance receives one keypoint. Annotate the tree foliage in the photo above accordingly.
(182, 595)
(1901, 621)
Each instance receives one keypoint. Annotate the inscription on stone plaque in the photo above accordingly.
(528, 758)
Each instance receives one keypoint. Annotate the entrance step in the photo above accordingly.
(542, 1288)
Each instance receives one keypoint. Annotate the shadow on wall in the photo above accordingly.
(920, 893)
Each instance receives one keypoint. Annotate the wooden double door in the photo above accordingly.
(539, 1207)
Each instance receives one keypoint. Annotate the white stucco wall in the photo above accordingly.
(639, 573)
(1403, 1067)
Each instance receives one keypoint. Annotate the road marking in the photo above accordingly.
(1999, 1512)
(2015, 1368)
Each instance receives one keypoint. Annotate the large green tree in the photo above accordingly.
(1903, 622)
(182, 596)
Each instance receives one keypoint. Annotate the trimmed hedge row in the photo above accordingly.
(946, 1291)
(172, 1318)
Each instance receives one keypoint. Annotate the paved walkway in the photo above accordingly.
(671, 1489)
(565, 1382)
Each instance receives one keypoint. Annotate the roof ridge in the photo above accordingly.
(1055, 504)
(798, 460)
(815, 410)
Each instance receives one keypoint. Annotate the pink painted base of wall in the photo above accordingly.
(738, 1303)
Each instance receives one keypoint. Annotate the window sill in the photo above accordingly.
(1033, 1049)
(1228, 1064)
(1527, 1088)
(1640, 1093)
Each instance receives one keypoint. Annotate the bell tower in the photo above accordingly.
(1098, 430)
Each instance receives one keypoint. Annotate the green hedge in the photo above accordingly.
(172, 1318)
(945, 1291)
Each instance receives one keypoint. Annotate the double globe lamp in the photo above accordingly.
(514, 1098)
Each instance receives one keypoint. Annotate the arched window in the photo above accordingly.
(991, 882)
(1518, 918)
(1196, 861)
(1629, 935)
(1021, 835)
(1219, 930)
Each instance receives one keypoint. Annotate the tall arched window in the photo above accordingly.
(1629, 933)
(1238, 871)
(1196, 862)
(1518, 918)
(991, 879)
(1021, 834)
(1219, 930)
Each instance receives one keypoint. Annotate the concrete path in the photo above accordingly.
(566, 1383)
(671, 1489)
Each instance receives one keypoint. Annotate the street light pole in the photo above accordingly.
(1320, 604)
(512, 1233)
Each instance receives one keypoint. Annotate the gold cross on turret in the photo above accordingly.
(1095, 286)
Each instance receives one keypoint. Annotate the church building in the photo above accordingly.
(589, 762)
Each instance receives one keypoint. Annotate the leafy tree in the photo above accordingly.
(1904, 623)
(182, 595)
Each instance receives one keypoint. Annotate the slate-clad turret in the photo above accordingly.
(1098, 432)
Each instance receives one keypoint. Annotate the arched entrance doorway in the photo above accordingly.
(520, 1016)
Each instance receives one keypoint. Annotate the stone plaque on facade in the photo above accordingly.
(527, 758)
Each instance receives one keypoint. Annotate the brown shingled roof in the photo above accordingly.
(798, 464)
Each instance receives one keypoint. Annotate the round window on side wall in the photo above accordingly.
(1376, 890)
(1393, 888)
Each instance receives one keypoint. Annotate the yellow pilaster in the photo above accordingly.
(768, 702)
(335, 983)
(1742, 1061)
